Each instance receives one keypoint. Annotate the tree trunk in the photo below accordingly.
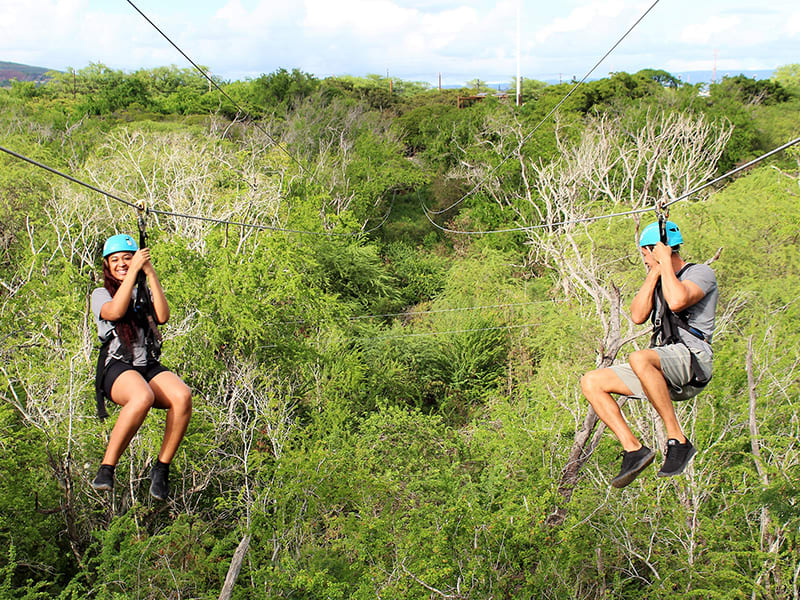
(233, 570)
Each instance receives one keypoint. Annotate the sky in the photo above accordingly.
(416, 40)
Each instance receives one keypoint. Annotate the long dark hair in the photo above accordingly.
(126, 330)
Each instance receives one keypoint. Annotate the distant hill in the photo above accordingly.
(20, 72)
(691, 77)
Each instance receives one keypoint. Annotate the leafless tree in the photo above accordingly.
(612, 167)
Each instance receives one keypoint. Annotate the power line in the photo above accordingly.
(428, 333)
(412, 313)
(691, 192)
(452, 332)
(257, 226)
(445, 310)
(221, 91)
(547, 116)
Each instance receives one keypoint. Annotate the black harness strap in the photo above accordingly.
(99, 375)
(665, 329)
(143, 309)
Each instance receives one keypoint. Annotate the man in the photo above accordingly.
(678, 363)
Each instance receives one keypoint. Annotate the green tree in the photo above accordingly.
(748, 90)
(788, 77)
(281, 88)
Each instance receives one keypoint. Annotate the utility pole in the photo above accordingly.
(440, 82)
(519, 80)
(714, 74)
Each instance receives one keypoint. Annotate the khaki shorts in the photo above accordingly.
(677, 369)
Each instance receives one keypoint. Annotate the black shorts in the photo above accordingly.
(115, 368)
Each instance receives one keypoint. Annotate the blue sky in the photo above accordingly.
(409, 39)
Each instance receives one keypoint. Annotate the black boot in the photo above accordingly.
(159, 481)
(633, 463)
(678, 456)
(104, 482)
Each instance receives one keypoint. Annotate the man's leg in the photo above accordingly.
(646, 364)
(597, 386)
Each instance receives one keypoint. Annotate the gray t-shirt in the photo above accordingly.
(106, 328)
(702, 314)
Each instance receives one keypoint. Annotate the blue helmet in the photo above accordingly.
(651, 235)
(121, 242)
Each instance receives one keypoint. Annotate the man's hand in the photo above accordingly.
(649, 260)
(662, 254)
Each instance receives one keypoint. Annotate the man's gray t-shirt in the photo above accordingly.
(106, 328)
(700, 315)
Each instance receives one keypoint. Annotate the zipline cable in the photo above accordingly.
(69, 177)
(148, 210)
(733, 172)
(547, 116)
(684, 196)
(261, 227)
(221, 91)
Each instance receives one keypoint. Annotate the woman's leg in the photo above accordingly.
(175, 396)
(132, 393)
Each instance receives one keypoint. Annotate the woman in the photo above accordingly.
(131, 375)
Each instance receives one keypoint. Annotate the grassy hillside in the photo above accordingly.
(20, 72)
(386, 406)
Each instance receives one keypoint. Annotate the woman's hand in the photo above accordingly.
(141, 262)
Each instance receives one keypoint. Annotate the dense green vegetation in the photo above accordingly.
(389, 414)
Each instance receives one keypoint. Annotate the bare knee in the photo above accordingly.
(181, 401)
(140, 401)
(590, 383)
(640, 361)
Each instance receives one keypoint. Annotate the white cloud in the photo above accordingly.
(582, 18)
(714, 29)
(359, 18)
(410, 38)
(792, 27)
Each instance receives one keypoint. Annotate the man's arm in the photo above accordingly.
(678, 295)
(642, 303)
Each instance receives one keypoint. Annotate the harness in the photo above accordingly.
(665, 328)
(144, 317)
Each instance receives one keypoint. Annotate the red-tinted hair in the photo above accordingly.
(125, 326)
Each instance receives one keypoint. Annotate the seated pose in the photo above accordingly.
(681, 299)
(128, 371)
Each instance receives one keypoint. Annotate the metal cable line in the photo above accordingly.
(148, 210)
(69, 177)
(684, 196)
(420, 312)
(426, 333)
(455, 331)
(733, 172)
(221, 91)
(547, 116)
(261, 227)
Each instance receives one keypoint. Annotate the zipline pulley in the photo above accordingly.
(662, 213)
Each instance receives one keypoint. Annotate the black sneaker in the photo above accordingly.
(104, 482)
(159, 482)
(633, 463)
(678, 456)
